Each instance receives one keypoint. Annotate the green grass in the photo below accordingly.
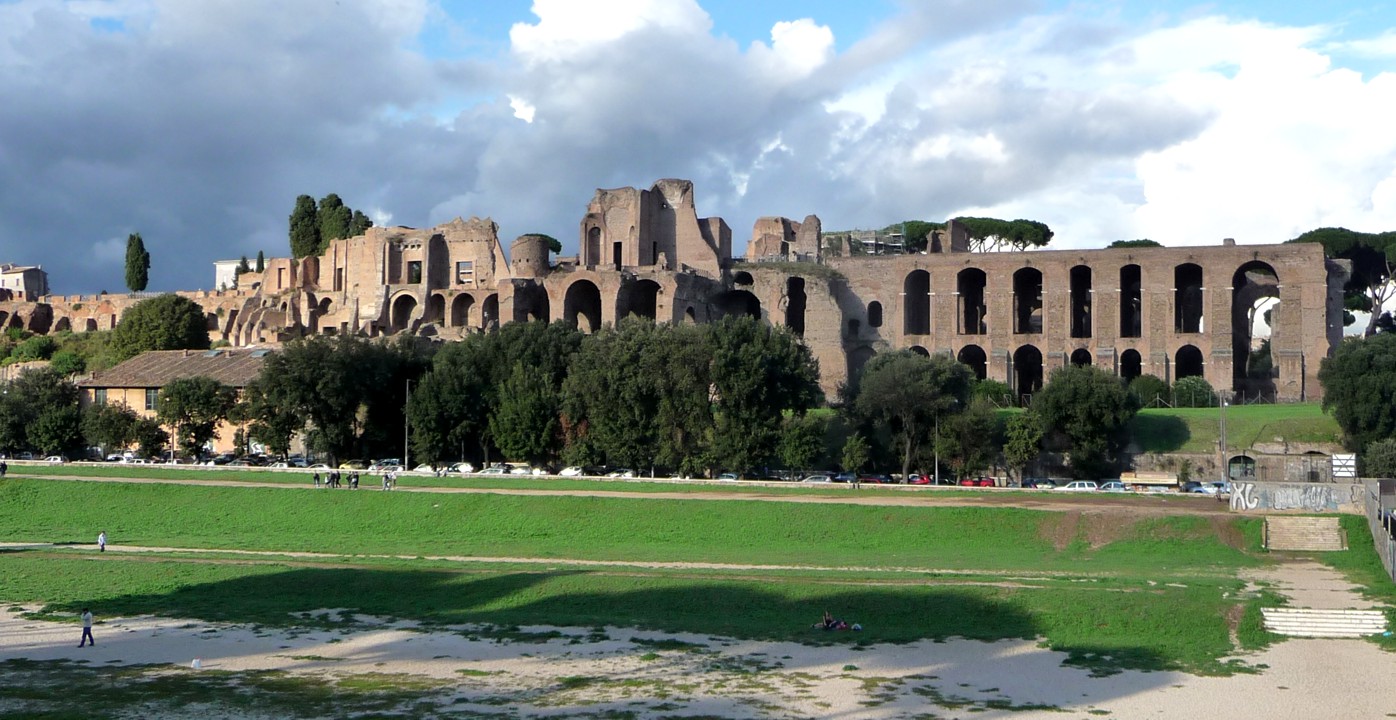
(1197, 430)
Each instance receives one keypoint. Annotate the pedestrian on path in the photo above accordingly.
(102, 541)
(87, 629)
(4, 468)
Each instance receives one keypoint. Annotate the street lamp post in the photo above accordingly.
(1224, 399)
(406, 421)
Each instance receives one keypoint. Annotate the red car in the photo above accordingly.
(978, 482)
(919, 480)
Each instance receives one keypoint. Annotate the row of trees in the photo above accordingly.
(314, 226)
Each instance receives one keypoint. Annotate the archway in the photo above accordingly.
(916, 303)
(795, 305)
(639, 298)
(64, 325)
(689, 316)
(531, 303)
(737, 303)
(91, 325)
(1027, 301)
(461, 307)
(875, 314)
(489, 312)
(1131, 365)
(581, 306)
(1027, 370)
(974, 357)
(436, 309)
(1187, 362)
(1187, 298)
(1240, 468)
(923, 352)
(742, 278)
(1131, 302)
(1081, 289)
(1255, 320)
(1081, 357)
(969, 286)
(403, 308)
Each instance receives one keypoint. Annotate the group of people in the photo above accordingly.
(332, 480)
(832, 623)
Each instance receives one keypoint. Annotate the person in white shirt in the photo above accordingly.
(86, 628)
(102, 541)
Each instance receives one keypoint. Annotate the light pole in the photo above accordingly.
(1224, 400)
(406, 421)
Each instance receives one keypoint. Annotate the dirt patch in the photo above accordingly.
(1227, 531)
(1102, 529)
(1061, 530)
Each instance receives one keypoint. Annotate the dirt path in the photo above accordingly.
(902, 496)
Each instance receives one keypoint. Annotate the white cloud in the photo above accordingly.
(797, 48)
(523, 109)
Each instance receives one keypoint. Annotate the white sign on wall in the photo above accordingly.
(1344, 465)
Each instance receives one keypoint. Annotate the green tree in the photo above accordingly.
(802, 441)
(267, 422)
(855, 453)
(149, 437)
(305, 228)
(1194, 392)
(109, 426)
(614, 393)
(243, 267)
(1141, 243)
(67, 362)
(907, 393)
(1379, 460)
(994, 234)
(916, 232)
(39, 347)
(758, 372)
(261, 262)
(335, 218)
(1359, 389)
(137, 263)
(164, 322)
(524, 423)
(39, 410)
(1022, 442)
(359, 224)
(969, 440)
(193, 407)
(554, 245)
(1149, 390)
(995, 392)
(1086, 411)
(1373, 279)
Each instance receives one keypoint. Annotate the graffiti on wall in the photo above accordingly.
(1309, 497)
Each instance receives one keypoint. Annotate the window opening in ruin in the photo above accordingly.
(969, 287)
(280, 278)
(460, 310)
(414, 272)
(465, 272)
(1027, 371)
(402, 312)
(64, 324)
(616, 255)
(581, 306)
(1131, 302)
(91, 325)
(338, 279)
(593, 248)
(916, 303)
(1131, 365)
(1187, 362)
(639, 298)
(742, 278)
(923, 352)
(1081, 301)
(654, 252)
(1027, 301)
(738, 303)
(489, 315)
(1255, 324)
(1187, 298)
(795, 305)
(974, 357)
(690, 316)
(875, 314)
(1081, 357)
(436, 309)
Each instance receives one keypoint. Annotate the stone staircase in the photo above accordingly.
(1315, 623)
(1304, 533)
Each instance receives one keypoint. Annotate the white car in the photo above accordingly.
(726, 477)
(495, 470)
(818, 479)
(571, 471)
(521, 470)
(463, 468)
(55, 459)
(279, 465)
(424, 469)
(1115, 486)
(1079, 486)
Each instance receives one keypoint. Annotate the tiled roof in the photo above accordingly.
(156, 368)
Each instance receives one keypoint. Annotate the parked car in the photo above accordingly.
(844, 477)
(521, 470)
(463, 467)
(978, 482)
(571, 471)
(319, 466)
(1115, 486)
(1207, 488)
(279, 465)
(495, 470)
(424, 469)
(818, 479)
(1079, 486)
(875, 479)
(918, 479)
(55, 459)
(353, 465)
(727, 476)
(1039, 483)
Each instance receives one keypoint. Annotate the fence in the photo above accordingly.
(1382, 522)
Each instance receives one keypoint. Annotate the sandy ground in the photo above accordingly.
(743, 679)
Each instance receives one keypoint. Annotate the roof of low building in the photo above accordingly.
(156, 368)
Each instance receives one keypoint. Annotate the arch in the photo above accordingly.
(795, 305)
(18, 322)
(923, 352)
(1081, 291)
(916, 303)
(531, 303)
(1187, 298)
(689, 316)
(875, 314)
(742, 278)
(1187, 362)
(973, 311)
(489, 312)
(639, 298)
(39, 321)
(91, 325)
(738, 303)
(858, 358)
(581, 306)
(436, 309)
(1240, 467)
(4, 316)
(210, 321)
(1131, 364)
(593, 247)
(461, 307)
(1027, 371)
(1027, 301)
(326, 305)
(1255, 317)
(65, 325)
(974, 357)
(1131, 301)
(403, 307)
(1081, 357)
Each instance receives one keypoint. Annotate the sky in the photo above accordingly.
(197, 124)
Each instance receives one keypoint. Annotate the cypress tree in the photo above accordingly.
(261, 262)
(359, 224)
(305, 228)
(137, 263)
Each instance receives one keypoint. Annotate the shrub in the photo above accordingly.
(1194, 392)
(1148, 390)
(1379, 461)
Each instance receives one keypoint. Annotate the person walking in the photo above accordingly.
(316, 477)
(102, 541)
(4, 468)
(87, 629)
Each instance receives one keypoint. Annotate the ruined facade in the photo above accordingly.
(1011, 316)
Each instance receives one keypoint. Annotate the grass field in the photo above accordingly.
(1196, 430)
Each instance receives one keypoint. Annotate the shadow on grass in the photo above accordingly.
(1159, 433)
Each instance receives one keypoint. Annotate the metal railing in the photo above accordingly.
(1382, 522)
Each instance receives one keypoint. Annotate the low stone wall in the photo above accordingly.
(1258, 497)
